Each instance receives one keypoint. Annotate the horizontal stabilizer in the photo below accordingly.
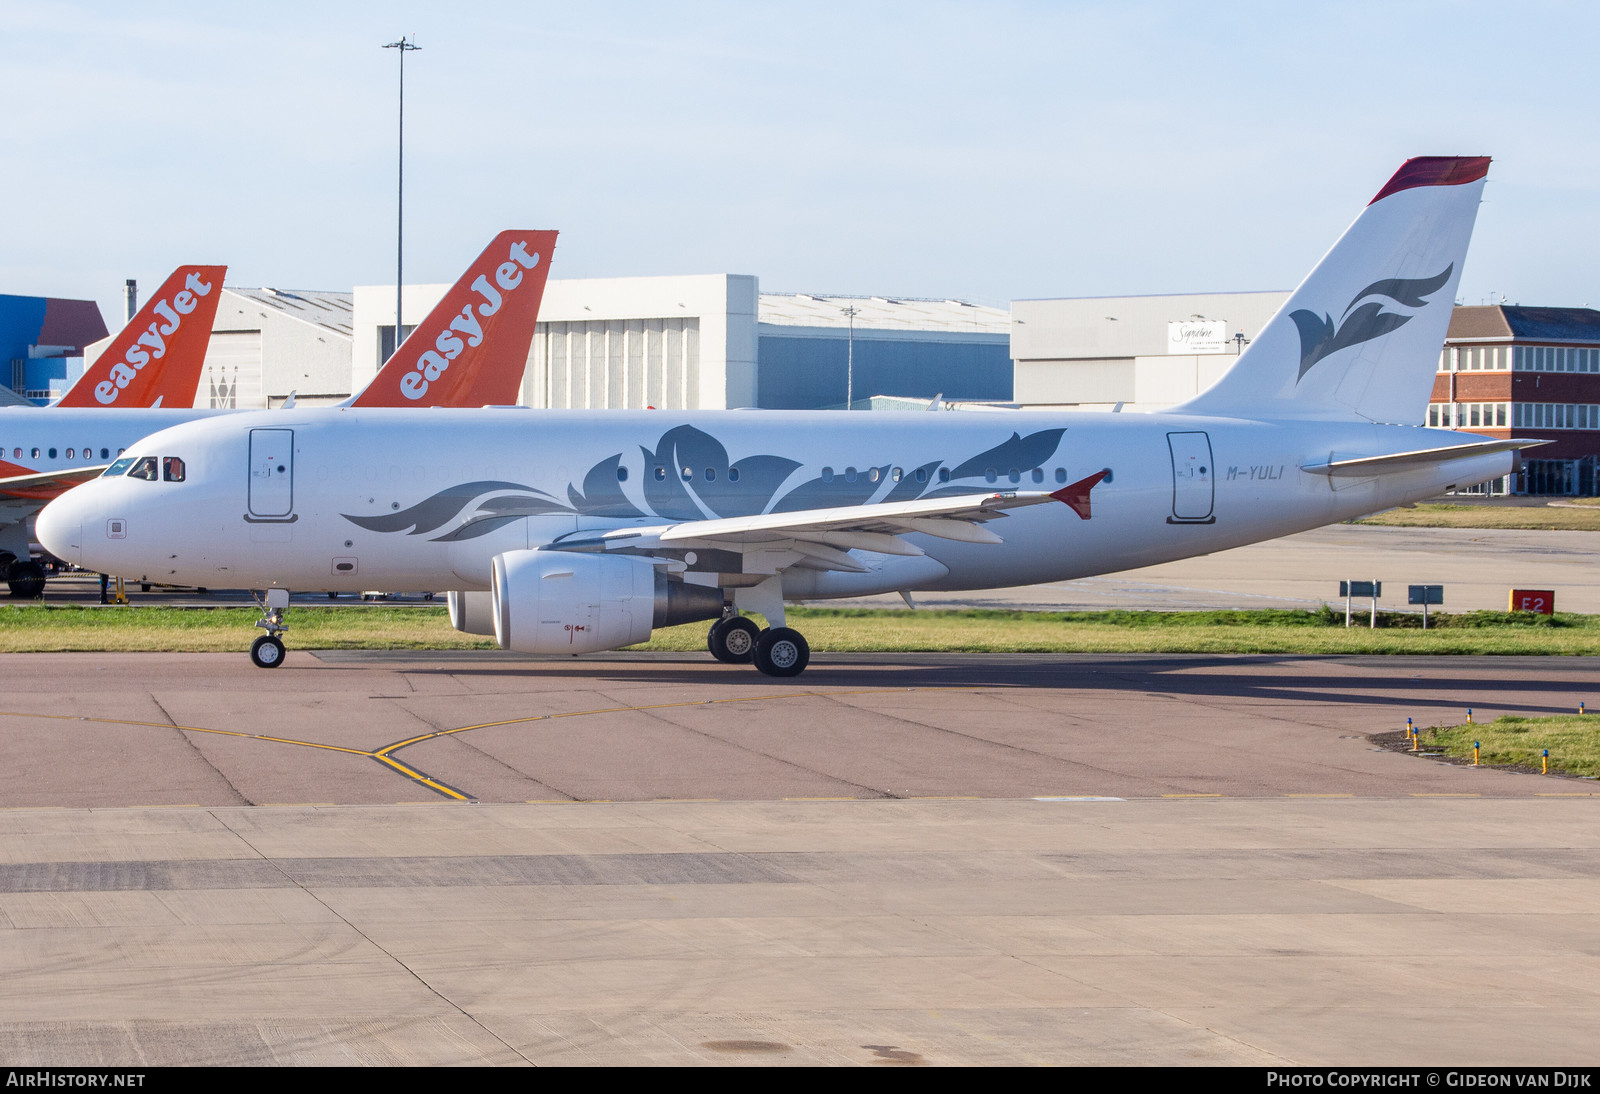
(1422, 457)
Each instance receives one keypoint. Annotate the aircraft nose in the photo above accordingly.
(59, 527)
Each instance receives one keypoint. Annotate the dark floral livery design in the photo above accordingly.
(697, 481)
(1319, 338)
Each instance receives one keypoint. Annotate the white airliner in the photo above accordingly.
(470, 350)
(573, 532)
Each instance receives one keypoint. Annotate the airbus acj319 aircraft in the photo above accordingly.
(573, 532)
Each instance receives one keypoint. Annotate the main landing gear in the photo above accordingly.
(777, 651)
(267, 652)
(25, 579)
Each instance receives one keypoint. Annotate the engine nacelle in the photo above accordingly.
(570, 602)
(472, 612)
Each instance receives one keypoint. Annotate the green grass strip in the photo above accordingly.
(47, 627)
(1573, 741)
(1534, 518)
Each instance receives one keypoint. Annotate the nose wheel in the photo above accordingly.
(267, 652)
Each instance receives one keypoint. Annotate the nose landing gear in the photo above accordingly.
(267, 651)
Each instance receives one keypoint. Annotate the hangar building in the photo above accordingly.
(1148, 352)
(717, 341)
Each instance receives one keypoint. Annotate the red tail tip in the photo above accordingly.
(1434, 171)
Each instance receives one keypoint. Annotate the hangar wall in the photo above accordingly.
(1095, 352)
(716, 341)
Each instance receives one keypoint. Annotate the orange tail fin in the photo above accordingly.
(156, 359)
(472, 349)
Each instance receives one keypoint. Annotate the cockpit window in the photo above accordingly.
(118, 468)
(172, 468)
(144, 468)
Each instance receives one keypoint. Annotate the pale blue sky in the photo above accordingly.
(985, 151)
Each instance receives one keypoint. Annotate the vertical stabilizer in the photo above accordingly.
(472, 349)
(158, 356)
(1360, 337)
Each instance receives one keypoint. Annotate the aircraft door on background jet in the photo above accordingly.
(271, 474)
(1193, 479)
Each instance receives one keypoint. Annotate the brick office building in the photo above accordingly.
(1527, 372)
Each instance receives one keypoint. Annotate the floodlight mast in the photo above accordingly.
(850, 359)
(400, 190)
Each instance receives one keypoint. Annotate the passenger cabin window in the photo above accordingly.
(35, 453)
(105, 453)
(733, 474)
(944, 474)
(661, 474)
(70, 452)
(172, 468)
(118, 468)
(144, 468)
(622, 473)
(827, 474)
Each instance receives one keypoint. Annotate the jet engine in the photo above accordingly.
(471, 612)
(571, 602)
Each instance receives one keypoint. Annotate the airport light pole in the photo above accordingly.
(400, 190)
(850, 360)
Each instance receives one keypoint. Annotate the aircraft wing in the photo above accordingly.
(44, 485)
(822, 538)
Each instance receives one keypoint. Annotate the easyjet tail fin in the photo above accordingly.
(1360, 337)
(157, 357)
(472, 349)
